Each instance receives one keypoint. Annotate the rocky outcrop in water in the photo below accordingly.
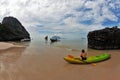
(108, 38)
(12, 30)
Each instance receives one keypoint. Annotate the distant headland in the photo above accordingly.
(12, 30)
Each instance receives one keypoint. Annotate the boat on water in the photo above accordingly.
(25, 40)
(91, 59)
(55, 38)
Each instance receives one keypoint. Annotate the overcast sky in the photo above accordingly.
(63, 15)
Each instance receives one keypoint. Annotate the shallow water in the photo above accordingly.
(46, 63)
(40, 60)
(70, 40)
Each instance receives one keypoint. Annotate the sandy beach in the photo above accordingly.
(46, 63)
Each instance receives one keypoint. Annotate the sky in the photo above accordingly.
(63, 15)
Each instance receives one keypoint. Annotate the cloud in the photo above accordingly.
(67, 15)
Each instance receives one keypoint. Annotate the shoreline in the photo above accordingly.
(35, 62)
(6, 45)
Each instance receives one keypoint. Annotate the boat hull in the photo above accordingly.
(91, 59)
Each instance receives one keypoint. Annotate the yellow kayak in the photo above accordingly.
(91, 59)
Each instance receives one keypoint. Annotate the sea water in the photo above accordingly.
(69, 40)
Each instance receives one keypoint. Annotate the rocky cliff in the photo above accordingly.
(108, 38)
(12, 30)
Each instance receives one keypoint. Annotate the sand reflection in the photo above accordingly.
(8, 58)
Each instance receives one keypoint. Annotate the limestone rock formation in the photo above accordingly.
(12, 30)
(108, 38)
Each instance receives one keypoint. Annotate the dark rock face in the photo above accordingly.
(108, 38)
(12, 30)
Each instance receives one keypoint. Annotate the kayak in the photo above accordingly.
(91, 59)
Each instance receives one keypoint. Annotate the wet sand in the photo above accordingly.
(4, 45)
(46, 63)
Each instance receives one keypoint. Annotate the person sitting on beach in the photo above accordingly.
(83, 55)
